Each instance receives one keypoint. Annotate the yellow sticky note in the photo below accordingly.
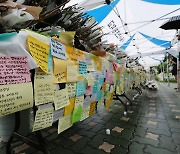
(71, 88)
(112, 89)
(15, 97)
(43, 119)
(90, 79)
(90, 68)
(61, 99)
(43, 88)
(100, 102)
(97, 62)
(92, 108)
(67, 37)
(107, 104)
(79, 101)
(80, 54)
(85, 113)
(111, 97)
(70, 54)
(69, 108)
(72, 73)
(39, 52)
(64, 123)
(60, 70)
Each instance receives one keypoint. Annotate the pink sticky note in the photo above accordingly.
(14, 70)
(115, 66)
(88, 90)
(111, 79)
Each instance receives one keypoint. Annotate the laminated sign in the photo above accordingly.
(58, 49)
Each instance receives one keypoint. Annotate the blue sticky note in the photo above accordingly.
(99, 95)
(95, 87)
(49, 61)
(80, 88)
(101, 81)
(82, 68)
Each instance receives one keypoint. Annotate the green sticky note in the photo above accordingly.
(77, 113)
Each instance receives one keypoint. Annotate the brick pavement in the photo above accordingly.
(151, 126)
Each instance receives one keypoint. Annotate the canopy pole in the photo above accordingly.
(163, 71)
(168, 68)
(178, 64)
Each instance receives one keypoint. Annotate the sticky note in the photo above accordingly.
(58, 49)
(95, 88)
(79, 101)
(92, 108)
(43, 88)
(39, 52)
(64, 123)
(82, 68)
(85, 113)
(72, 73)
(115, 66)
(101, 81)
(103, 69)
(88, 90)
(43, 119)
(99, 95)
(67, 37)
(77, 113)
(69, 108)
(90, 79)
(14, 70)
(107, 105)
(97, 62)
(60, 70)
(80, 88)
(71, 88)
(15, 97)
(100, 102)
(61, 99)
(90, 68)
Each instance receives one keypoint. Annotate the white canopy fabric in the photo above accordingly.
(128, 17)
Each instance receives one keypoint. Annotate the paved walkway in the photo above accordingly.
(152, 126)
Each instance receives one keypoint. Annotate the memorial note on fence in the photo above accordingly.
(90, 79)
(39, 52)
(85, 113)
(58, 49)
(69, 108)
(82, 68)
(71, 88)
(80, 88)
(60, 70)
(15, 97)
(72, 73)
(64, 123)
(14, 70)
(43, 119)
(43, 88)
(61, 99)
(77, 113)
(79, 101)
